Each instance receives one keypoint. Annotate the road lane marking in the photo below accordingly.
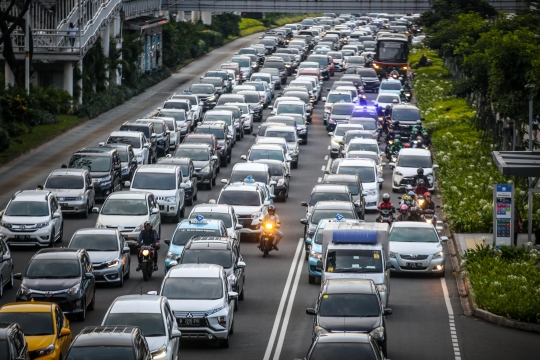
(319, 180)
(328, 163)
(282, 302)
(325, 157)
(279, 346)
(322, 168)
(453, 333)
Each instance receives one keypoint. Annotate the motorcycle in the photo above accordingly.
(268, 236)
(430, 218)
(407, 94)
(146, 252)
(386, 216)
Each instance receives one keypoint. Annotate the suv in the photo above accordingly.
(246, 116)
(173, 130)
(195, 101)
(205, 164)
(32, 217)
(367, 170)
(138, 141)
(180, 117)
(117, 342)
(163, 139)
(13, 345)
(68, 182)
(104, 165)
(188, 174)
(221, 131)
(64, 276)
(405, 168)
(327, 192)
(202, 301)
(149, 132)
(206, 94)
(219, 84)
(335, 96)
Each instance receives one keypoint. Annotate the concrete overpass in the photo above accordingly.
(318, 6)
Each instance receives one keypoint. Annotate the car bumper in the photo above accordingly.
(429, 265)
(303, 135)
(168, 264)
(70, 304)
(108, 275)
(204, 178)
(335, 150)
(72, 207)
(167, 208)
(313, 270)
(40, 237)
(280, 192)
(371, 202)
(250, 226)
(202, 333)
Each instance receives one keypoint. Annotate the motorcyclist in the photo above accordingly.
(272, 216)
(394, 72)
(385, 204)
(418, 129)
(369, 61)
(416, 214)
(421, 187)
(419, 144)
(426, 140)
(428, 204)
(363, 100)
(407, 200)
(388, 110)
(396, 146)
(403, 213)
(395, 125)
(420, 176)
(148, 236)
(407, 86)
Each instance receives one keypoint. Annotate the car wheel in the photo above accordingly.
(86, 211)
(82, 316)
(224, 343)
(92, 304)
(295, 165)
(224, 162)
(241, 295)
(51, 239)
(11, 282)
(236, 305)
(121, 283)
(229, 158)
(61, 235)
(209, 186)
(182, 213)
(129, 270)
(311, 279)
(195, 197)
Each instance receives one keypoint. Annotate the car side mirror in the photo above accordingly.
(383, 164)
(173, 263)
(324, 97)
(238, 227)
(152, 293)
(270, 107)
(154, 135)
(214, 157)
(168, 242)
(65, 332)
(101, 144)
(134, 161)
(243, 157)
(95, 210)
(175, 333)
(319, 264)
(304, 221)
(89, 275)
(387, 311)
(126, 250)
(233, 295)
(155, 211)
(444, 238)
(392, 164)
(182, 185)
(311, 311)
(6, 257)
(304, 203)
(224, 181)
(330, 133)
(241, 264)
(229, 136)
(57, 215)
(356, 203)
(127, 183)
(435, 166)
(380, 180)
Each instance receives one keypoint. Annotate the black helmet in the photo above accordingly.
(271, 210)
(420, 171)
(396, 122)
(386, 197)
(425, 135)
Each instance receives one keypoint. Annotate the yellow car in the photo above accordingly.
(45, 328)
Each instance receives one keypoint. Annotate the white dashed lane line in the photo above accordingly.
(453, 333)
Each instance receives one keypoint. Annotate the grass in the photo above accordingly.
(252, 30)
(39, 135)
(294, 19)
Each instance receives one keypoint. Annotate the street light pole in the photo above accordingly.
(530, 123)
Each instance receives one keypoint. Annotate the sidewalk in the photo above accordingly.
(470, 241)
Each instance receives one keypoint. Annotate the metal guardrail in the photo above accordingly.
(136, 8)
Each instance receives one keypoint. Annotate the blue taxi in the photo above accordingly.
(314, 246)
(187, 229)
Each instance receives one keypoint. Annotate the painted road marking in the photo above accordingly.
(453, 333)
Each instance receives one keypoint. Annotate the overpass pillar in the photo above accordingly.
(68, 76)
(180, 16)
(105, 40)
(9, 77)
(206, 17)
(195, 16)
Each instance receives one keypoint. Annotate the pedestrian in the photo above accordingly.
(518, 225)
(72, 33)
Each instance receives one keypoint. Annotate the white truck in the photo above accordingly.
(357, 250)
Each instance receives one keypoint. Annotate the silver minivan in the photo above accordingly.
(73, 189)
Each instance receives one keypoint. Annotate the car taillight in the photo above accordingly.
(218, 147)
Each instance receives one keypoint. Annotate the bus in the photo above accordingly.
(392, 51)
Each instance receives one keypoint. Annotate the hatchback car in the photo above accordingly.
(73, 189)
(63, 276)
(224, 213)
(327, 192)
(108, 253)
(355, 188)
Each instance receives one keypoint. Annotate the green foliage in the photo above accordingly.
(252, 30)
(132, 48)
(227, 24)
(505, 281)
(53, 100)
(5, 140)
(247, 23)
(287, 19)
(446, 9)
(94, 74)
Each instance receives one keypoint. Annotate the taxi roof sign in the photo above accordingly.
(249, 179)
(355, 236)
(199, 219)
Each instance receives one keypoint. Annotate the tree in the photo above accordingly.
(8, 23)
(446, 9)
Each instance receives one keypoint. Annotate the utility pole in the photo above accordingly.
(27, 39)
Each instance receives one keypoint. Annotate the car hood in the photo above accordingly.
(370, 79)
(156, 342)
(176, 249)
(349, 323)
(25, 219)
(67, 192)
(199, 164)
(412, 171)
(195, 304)
(98, 257)
(337, 138)
(39, 341)
(97, 175)
(418, 248)
(340, 117)
(119, 221)
(50, 284)
(381, 91)
(159, 193)
(245, 210)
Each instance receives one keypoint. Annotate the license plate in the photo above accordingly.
(22, 237)
(190, 322)
(414, 264)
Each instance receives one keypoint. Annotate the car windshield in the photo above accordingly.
(225, 217)
(289, 136)
(27, 208)
(90, 163)
(259, 86)
(366, 174)
(53, 269)
(387, 98)
(125, 207)
(217, 117)
(182, 236)
(405, 114)
(193, 154)
(222, 75)
(414, 234)
(276, 169)
(390, 85)
(243, 198)
(134, 141)
(241, 62)
(202, 90)
(367, 124)
(335, 55)
(355, 60)
(329, 196)
(258, 176)
(342, 109)
(217, 82)
(160, 128)
(31, 323)
(341, 130)
(198, 140)
(251, 98)
(150, 324)
(176, 105)
(309, 65)
(363, 147)
(207, 256)
(170, 124)
(274, 65)
(105, 353)
(177, 115)
(256, 154)
(321, 60)
(290, 108)
(218, 133)
(65, 182)
(192, 99)
(267, 42)
(414, 161)
(154, 181)
(94, 242)
(335, 98)
(319, 214)
(349, 305)
(354, 261)
(192, 288)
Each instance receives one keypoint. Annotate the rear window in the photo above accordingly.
(405, 114)
(176, 105)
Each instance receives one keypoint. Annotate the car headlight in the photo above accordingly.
(140, 227)
(398, 173)
(74, 289)
(170, 199)
(23, 290)
(327, 108)
(42, 225)
(222, 320)
(113, 263)
(211, 99)
(105, 179)
(42, 352)
(80, 198)
(160, 353)
(315, 254)
(392, 254)
(172, 256)
(438, 255)
(205, 169)
(188, 184)
(256, 215)
(6, 225)
(372, 192)
(381, 287)
(232, 279)
(377, 333)
(335, 143)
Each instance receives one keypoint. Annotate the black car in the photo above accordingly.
(219, 85)
(221, 74)
(188, 174)
(344, 346)
(350, 305)
(204, 161)
(163, 138)
(105, 168)
(148, 130)
(13, 345)
(110, 342)
(206, 93)
(127, 158)
(221, 132)
(64, 276)
(370, 80)
(222, 251)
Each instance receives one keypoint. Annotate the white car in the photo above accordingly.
(137, 140)
(73, 189)
(359, 144)
(127, 211)
(195, 102)
(224, 213)
(202, 301)
(406, 166)
(336, 137)
(366, 169)
(384, 99)
(247, 115)
(32, 217)
(153, 315)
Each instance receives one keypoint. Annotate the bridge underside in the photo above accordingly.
(315, 6)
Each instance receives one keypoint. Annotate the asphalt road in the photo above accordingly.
(271, 322)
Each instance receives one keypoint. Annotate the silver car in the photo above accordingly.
(153, 315)
(73, 189)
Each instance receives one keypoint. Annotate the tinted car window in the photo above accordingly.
(94, 242)
(193, 154)
(105, 353)
(248, 198)
(176, 105)
(405, 114)
(218, 257)
(218, 133)
(31, 323)
(90, 162)
(53, 268)
(150, 324)
(28, 208)
(65, 182)
(414, 161)
(192, 288)
(130, 140)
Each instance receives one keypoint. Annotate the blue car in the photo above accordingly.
(187, 229)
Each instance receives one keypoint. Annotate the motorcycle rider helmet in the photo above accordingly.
(427, 194)
(425, 135)
(398, 141)
(411, 194)
(419, 210)
(418, 122)
(420, 171)
(271, 210)
(404, 208)
(386, 197)
(421, 182)
(147, 223)
(396, 122)
(409, 188)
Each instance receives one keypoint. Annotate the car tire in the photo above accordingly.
(224, 162)
(121, 282)
(294, 165)
(126, 277)
(82, 316)
(241, 295)
(61, 235)
(236, 305)
(214, 181)
(190, 201)
(92, 304)
(231, 330)
(209, 186)
(311, 279)
(224, 343)
(195, 197)
(217, 170)
(182, 213)
(86, 211)
(229, 158)
(11, 282)
(51, 240)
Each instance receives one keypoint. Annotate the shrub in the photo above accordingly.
(5, 140)
(252, 30)
(246, 23)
